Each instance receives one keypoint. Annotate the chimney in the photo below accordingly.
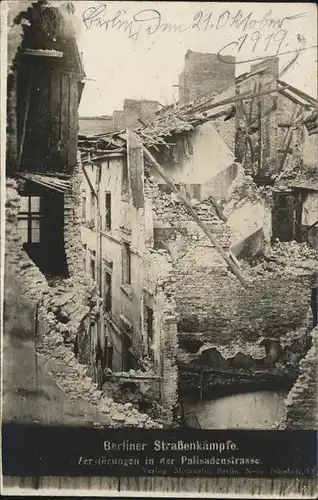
(271, 66)
(204, 74)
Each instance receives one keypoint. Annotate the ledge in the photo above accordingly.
(127, 289)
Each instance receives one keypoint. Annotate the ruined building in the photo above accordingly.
(133, 111)
(150, 257)
(167, 212)
(44, 259)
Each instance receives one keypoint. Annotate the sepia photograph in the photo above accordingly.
(159, 238)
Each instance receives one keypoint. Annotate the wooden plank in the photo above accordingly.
(55, 106)
(73, 123)
(301, 94)
(42, 53)
(234, 268)
(236, 98)
(64, 117)
(288, 138)
(26, 115)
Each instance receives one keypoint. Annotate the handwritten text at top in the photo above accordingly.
(253, 32)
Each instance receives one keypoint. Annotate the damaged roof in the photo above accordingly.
(175, 119)
(94, 148)
(55, 182)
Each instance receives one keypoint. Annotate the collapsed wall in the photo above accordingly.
(72, 223)
(62, 310)
(301, 402)
(156, 279)
(221, 325)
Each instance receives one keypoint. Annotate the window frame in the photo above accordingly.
(126, 259)
(31, 217)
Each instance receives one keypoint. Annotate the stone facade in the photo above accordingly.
(134, 281)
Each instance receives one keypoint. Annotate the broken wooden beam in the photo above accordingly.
(89, 183)
(230, 262)
(236, 98)
(43, 53)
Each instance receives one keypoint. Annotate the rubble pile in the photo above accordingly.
(69, 302)
(169, 212)
(61, 309)
(290, 258)
(140, 388)
(243, 189)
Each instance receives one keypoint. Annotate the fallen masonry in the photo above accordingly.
(71, 300)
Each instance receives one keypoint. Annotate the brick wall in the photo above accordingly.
(119, 118)
(133, 110)
(72, 224)
(204, 74)
(301, 402)
(226, 128)
(157, 283)
(223, 311)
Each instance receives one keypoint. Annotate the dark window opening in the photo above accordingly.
(92, 209)
(109, 357)
(107, 291)
(41, 228)
(196, 191)
(93, 267)
(108, 212)
(126, 261)
(128, 358)
(148, 325)
(84, 257)
(287, 217)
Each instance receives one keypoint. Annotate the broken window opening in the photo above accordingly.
(41, 228)
(109, 357)
(107, 291)
(128, 362)
(148, 325)
(126, 262)
(287, 217)
(93, 265)
(84, 258)
(108, 213)
(93, 211)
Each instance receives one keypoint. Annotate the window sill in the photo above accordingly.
(127, 289)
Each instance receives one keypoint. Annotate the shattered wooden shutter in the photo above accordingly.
(135, 168)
